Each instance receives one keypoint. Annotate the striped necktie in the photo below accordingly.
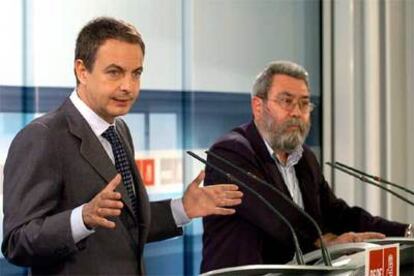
(122, 164)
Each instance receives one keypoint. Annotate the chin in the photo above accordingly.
(120, 111)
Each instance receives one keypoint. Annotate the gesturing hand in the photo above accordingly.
(107, 203)
(204, 201)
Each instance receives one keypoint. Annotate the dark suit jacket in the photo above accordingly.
(55, 164)
(254, 235)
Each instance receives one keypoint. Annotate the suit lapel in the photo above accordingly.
(91, 149)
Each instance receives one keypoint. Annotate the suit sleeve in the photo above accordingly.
(162, 222)
(339, 218)
(35, 233)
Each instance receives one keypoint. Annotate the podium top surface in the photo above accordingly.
(288, 269)
(390, 240)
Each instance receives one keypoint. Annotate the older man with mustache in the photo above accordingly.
(272, 147)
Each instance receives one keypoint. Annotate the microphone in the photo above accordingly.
(376, 178)
(364, 179)
(298, 251)
(325, 253)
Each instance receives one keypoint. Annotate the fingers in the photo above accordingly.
(368, 235)
(108, 212)
(343, 238)
(224, 195)
(233, 194)
(198, 179)
(227, 201)
(106, 203)
(230, 202)
(107, 195)
(358, 237)
(347, 237)
(110, 204)
(111, 186)
(103, 222)
(224, 190)
(205, 201)
(226, 187)
(223, 211)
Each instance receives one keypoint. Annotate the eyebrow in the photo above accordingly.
(287, 93)
(115, 66)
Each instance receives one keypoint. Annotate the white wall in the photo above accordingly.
(230, 48)
(11, 42)
(52, 27)
(227, 43)
(368, 91)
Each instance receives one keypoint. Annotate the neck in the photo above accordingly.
(82, 96)
(282, 156)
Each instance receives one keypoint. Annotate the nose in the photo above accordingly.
(129, 84)
(296, 111)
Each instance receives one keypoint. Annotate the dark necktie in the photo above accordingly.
(122, 164)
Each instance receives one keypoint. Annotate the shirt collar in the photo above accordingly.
(97, 124)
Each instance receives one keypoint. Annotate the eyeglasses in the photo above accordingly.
(289, 103)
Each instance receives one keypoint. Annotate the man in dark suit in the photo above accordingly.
(271, 147)
(74, 202)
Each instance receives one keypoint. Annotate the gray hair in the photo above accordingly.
(264, 79)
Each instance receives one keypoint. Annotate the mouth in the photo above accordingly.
(293, 127)
(121, 101)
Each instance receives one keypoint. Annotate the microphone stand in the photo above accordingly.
(366, 180)
(376, 178)
(299, 254)
(325, 253)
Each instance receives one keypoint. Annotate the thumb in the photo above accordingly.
(113, 183)
(200, 177)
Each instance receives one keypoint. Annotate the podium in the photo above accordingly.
(280, 270)
(347, 259)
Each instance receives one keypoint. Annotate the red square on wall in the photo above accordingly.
(146, 168)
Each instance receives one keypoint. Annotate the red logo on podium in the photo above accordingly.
(390, 261)
(383, 261)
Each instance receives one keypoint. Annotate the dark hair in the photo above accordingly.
(264, 79)
(97, 31)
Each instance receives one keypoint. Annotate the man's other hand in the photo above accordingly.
(204, 201)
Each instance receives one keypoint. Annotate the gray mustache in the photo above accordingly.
(294, 122)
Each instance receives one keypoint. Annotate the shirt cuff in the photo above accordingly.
(178, 212)
(79, 230)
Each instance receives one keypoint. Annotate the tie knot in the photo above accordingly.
(110, 135)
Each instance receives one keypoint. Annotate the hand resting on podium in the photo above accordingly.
(349, 237)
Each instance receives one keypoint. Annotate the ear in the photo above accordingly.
(81, 71)
(257, 105)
